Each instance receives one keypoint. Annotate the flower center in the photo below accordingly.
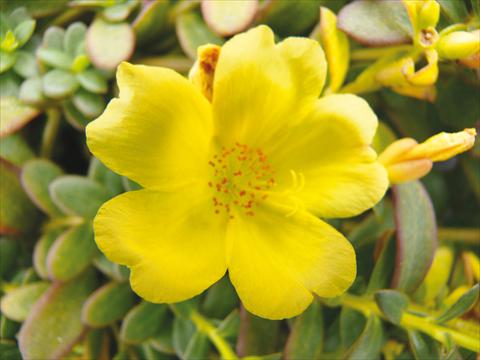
(242, 178)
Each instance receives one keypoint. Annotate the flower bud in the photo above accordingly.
(407, 160)
(203, 71)
(459, 45)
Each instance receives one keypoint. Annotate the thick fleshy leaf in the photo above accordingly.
(24, 31)
(137, 228)
(154, 137)
(14, 114)
(40, 252)
(15, 150)
(71, 253)
(455, 11)
(103, 175)
(416, 235)
(143, 322)
(53, 325)
(422, 346)
(108, 44)
(461, 306)
(229, 17)
(306, 337)
(55, 58)
(192, 33)
(26, 65)
(59, 84)
(17, 304)
(74, 116)
(257, 336)
(277, 262)
(31, 91)
(36, 176)
(151, 21)
(9, 250)
(108, 304)
(90, 105)
(376, 23)
(7, 60)
(392, 303)
(74, 37)
(93, 81)
(17, 213)
(182, 332)
(220, 299)
(352, 324)
(76, 195)
(369, 344)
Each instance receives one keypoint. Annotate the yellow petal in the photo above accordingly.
(336, 46)
(203, 71)
(261, 88)
(277, 262)
(173, 245)
(408, 170)
(428, 74)
(330, 151)
(158, 132)
(459, 44)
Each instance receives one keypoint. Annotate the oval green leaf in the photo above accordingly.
(392, 304)
(17, 304)
(226, 18)
(59, 84)
(15, 115)
(142, 322)
(416, 235)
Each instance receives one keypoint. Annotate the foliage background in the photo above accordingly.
(62, 298)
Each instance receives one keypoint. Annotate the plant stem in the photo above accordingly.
(50, 132)
(462, 235)
(204, 326)
(368, 54)
(414, 322)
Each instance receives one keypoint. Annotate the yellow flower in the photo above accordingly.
(237, 184)
(407, 160)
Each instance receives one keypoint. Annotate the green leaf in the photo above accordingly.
(151, 21)
(9, 250)
(93, 81)
(392, 304)
(370, 343)
(77, 195)
(7, 60)
(53, 38)
(53, 326)
(163, 342)
(74, 37)
(143, 322)
(55, 58)
(454, 10)
(108, 304)
(74, 116)
(17, 16)
(227, 18)
(306, 337)
(40, 252)
(230, 326)
(18, 303)
(288, 18)
(114, 271)
(108, 44)
(15, 150)
(383, 269)
(197, 348)
(26, 65)
(257, 336)
(96, 344)
(90, 105)
(376, 23)
(192, 33)
(416, 235)
(71, 253)
(183, 331)
(24, 31)
(352, 324)
(8, 330)
(220, 299)
(36, 177)
(17, 213)
(59, 84)
(31, 91)
(15, 115)
(103, 175)
(422, 346)
(463, 304)
(118, 12)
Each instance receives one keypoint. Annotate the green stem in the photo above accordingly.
(204, 326)
(368, 54)
(462, 235)
(50, 132)
(414, 322)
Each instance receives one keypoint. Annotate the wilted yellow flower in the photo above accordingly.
(407, 160)
(237, 184)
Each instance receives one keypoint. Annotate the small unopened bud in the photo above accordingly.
(429, 14)
(407, 160)
(203, 71)
(459, 45)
